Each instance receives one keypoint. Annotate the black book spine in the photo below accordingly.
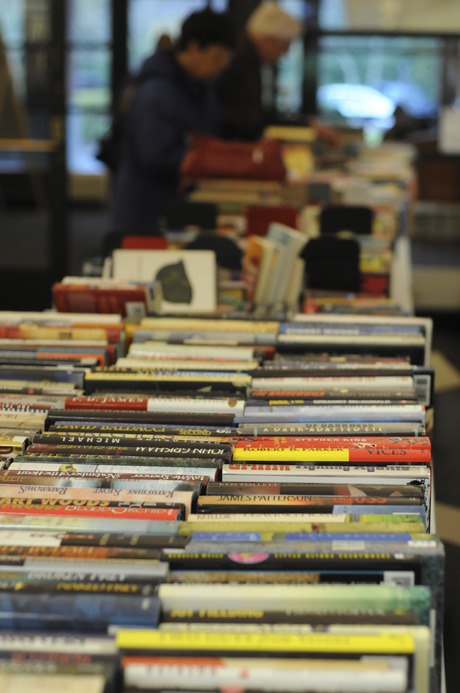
(141, 417)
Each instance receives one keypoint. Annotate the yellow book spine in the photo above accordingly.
(391, 643)
(291, 455)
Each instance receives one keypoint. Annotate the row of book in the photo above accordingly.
(198, 504)
(271, 282)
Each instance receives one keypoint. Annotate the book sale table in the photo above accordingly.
(258, 515)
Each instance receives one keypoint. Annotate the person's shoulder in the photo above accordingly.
(159, 64)
(159, 74)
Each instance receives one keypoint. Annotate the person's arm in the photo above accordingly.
(325, 133)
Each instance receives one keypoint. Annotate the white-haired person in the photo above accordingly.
(268, 34)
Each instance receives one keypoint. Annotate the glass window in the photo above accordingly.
(37, 20)
(88, 103)
(24, 33)
(89, 79)
(332, 15)
(84, 128)
(89, 21)
(421, 16)
(15, 59)
(290, 73)
(88, 82)
(362, 79)
(12, 31)
(23, 23)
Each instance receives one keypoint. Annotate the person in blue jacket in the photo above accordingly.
(173, 97)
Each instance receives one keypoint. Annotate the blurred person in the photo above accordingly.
(173, 97)
(268, 35)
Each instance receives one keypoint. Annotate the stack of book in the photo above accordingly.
(43, 361)
(273, 271)
(349, 303)
(234, 195)
(102, 295)
(227, 503)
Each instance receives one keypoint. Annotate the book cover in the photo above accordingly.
(291, 241)
(187, 279)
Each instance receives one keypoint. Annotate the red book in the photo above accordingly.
(131, 403)
(351, 442)
(90, 298)
(66, 551)
(259, 217)
(92, 509)
(378, 284)
(295, 455)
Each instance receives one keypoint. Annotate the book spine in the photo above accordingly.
(126, 427)
(90, 524)
(95, 553)
(345, 395)
(172, 642)
(85, 611)
(331, 509)
(90, 508)
(154, 404)
(58, 666)
(310, 487)
(310, 523)
(97, 402)
(119, 381)
(93, 481)
(34, 642)
(321, 381)
(103, 455)
(56, 415)
(216, 675)
(228, 500)
(93, 539)
(333, 428)
(241, 616)
(292, 517)
(163, 445)
(107, 466)
(397, 470)
(366, 455)
(334, 414)
(11, 493)
(360, 442)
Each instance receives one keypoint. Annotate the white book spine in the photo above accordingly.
(362, 382)
(326, 678)
(113, 468)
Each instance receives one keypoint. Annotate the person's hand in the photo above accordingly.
(326, 133)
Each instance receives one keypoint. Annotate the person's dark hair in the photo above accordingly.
(207, 28)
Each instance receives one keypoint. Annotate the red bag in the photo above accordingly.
(209, 157)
